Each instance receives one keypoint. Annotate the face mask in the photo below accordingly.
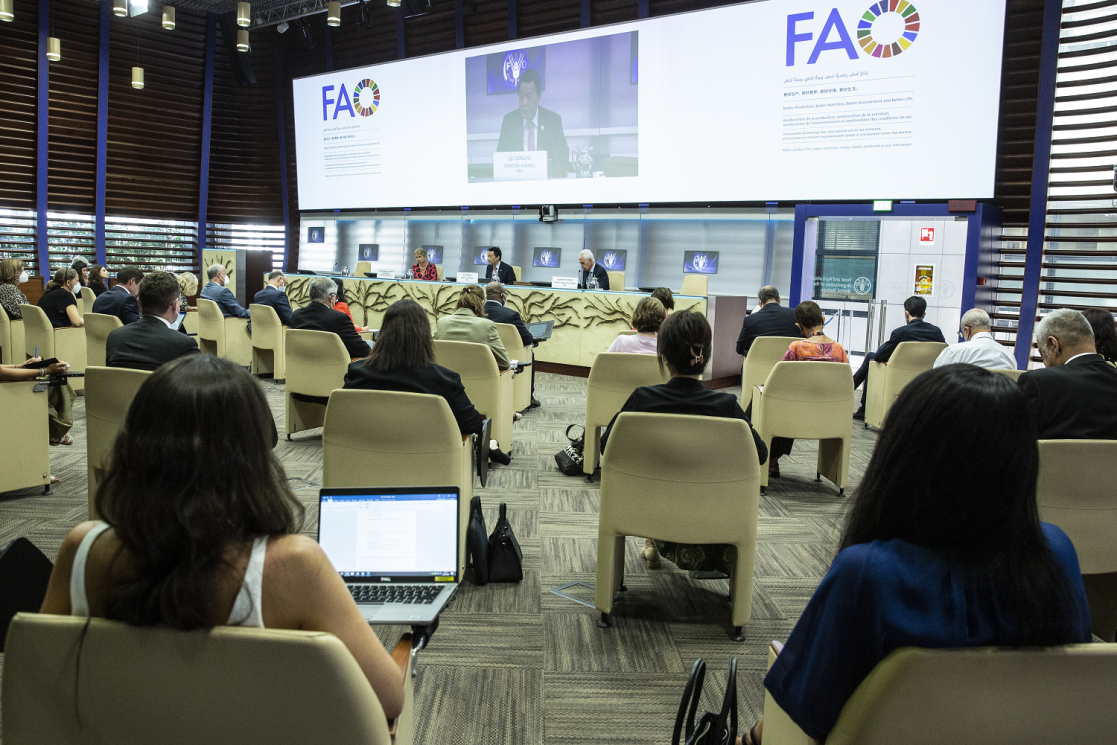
(225, 282)
(24, 277)
(177, 321)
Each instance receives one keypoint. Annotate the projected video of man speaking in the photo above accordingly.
(566, 110)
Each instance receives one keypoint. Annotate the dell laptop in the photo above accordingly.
(395, 548)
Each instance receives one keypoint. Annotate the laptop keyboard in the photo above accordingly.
(380, 594)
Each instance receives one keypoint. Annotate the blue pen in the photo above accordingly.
(36, 351)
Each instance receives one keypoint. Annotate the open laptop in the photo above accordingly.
(396, 548)
(541, 330)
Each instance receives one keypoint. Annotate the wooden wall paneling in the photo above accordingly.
(489, 24)
(18, 83)
(613, 11)
(154, 149)
(433, 32)
(537, 19)
(357, 46)
(244, 178)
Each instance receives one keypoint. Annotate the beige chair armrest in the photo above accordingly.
(779, 729)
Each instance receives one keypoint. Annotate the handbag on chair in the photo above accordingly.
(711, 728)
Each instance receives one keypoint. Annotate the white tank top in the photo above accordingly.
(246, 608)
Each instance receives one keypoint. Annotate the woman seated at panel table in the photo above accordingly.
(201, 528)
(403, 361)
(816, 347)
(468, 323)
(684, 349)
(12, 275)
(423, 269)
(939, 551)
(58, 301)
(646, 320)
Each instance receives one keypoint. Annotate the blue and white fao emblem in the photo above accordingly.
(514, 64)
(862, 285)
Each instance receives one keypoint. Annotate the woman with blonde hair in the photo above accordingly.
(12, 275)
(423, 269)
(646, 320)
(468, 323)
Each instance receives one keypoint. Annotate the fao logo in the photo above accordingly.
(862, 285)
(514, 64)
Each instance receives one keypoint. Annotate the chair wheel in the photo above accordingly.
(288, 438)
(589, 479)
(818, 477)
(866, 426)
(841, 492)
(603, 622)
(738, 634)
(763, 491)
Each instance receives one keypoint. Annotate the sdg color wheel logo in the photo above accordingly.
(366, 97)
(888, 28)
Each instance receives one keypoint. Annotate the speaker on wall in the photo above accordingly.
(24, 576)
(241, 61)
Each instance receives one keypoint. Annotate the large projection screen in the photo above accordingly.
(776, 100)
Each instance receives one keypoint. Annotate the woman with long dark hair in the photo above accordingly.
(99, 280)
(943, 548)
(201, 529)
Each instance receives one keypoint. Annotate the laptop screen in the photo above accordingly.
(541, 329)
(398, 535)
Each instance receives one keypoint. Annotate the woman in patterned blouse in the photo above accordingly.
(423, 269)
(10, 296)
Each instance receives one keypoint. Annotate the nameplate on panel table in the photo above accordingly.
(467, 278)
(521, 166)
(564, 283)
(385, 275)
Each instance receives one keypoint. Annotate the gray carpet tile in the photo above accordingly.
(517, 664)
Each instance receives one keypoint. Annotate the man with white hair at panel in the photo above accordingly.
(217, 290)
(591, 269)
(978, 347)
(1075, 396)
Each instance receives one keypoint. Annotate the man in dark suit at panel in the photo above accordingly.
(273, 296)
(320, 315)
(497, 312)
(532, 127)
(120, 301)
(497, 270)
(914, 329)
(771, 320)
(155, 339)
(218, 291)
(590, 268)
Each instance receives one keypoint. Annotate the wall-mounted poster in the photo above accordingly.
(480, 255)
(316, 235)
(368, 252)
(925, 280)
(434, 254)
(546, 256)
(700, 262)
(614, 260)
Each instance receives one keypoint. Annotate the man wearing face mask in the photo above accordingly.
(12, 275)
(120, 301)
(218, 291)
(273, 296)
(153, 340)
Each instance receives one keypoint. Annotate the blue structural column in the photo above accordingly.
(511, 19)
(1041, 160)
(401, 48)
(207, 119)
(643, 9)
(42, 130)
(459, 25)
(282, 156)
(102, 130)
(586, 21)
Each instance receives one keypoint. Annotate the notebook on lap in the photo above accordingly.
(395, 548)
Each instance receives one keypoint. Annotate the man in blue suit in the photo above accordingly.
(120, 301)
(916, 329)
(218, 291)
(273, 296)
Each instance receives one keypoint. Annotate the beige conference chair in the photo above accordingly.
(438, 270)
(66, 344)
(763, 355)
(88, 297)
(695, 285)
(910, 360)
(1014, 374)
(26, 447)
(316, 363)
(108, 396)
(11, 341)
(516, 271)
(809, 401)
(685, 479)
(385, 438)
(616, 281)
(221, 336)
(267, 341)
(514, 345)
(613, 378)
(490, 391)
(976, 696)
(363, 268)
(98, 326)
(141, 685)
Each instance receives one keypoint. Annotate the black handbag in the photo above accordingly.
(477, 543)
(506, 560)
(711, 728)
(569, 459)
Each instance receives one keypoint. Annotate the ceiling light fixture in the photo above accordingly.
(333, 13)
(242, 40)
(244, 15)
(168, 18)
(282, 27)
(138, 78)
(120, 8)
(137, 7)
(7, 11)
(393, 3)
(54, 49)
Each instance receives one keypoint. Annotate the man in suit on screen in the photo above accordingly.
(532, 127)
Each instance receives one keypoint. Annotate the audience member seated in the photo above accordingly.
(99, 280)
(646, 320)
(403, 361)
(58, 301)
(816, 347)
(12, 275)
(978, 346)
(319, 315)
(497, 312)
(188, 283)
(81, 266)
(341, 304)
(120, 301)
(201, 528)
(217, 290)
(591, 270)
(914, 329)
(684, 349)
(498, 270)
(274, 297)
(663, 295)
(423, 269)
(468, 323)
(771, 320)
(938, 551)
(154, 340)
(60, 398)
(1105, 333)
(1075, 396)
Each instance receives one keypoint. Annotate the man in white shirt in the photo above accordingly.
(979, 347)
